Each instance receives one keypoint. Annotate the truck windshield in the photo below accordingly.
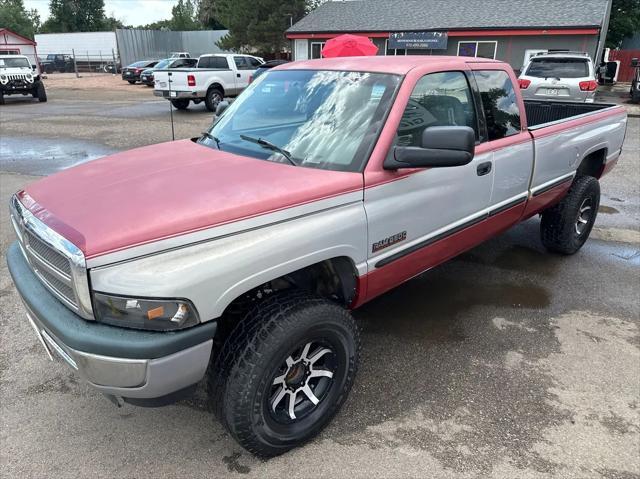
(321, 119)
(558, 68)
(14, 63)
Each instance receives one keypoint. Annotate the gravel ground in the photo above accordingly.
(506, 362)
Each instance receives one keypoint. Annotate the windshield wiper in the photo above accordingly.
(211, 137)
(270, 146)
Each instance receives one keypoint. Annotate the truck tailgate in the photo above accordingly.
(178, 79)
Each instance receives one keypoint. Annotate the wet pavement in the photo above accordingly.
(506, 362)
(40, 156)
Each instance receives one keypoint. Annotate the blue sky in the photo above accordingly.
(131, 12)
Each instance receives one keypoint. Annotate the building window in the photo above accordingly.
(316, 49)
(478, 49)
(393, 51)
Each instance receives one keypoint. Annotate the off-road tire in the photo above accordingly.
(132, 82)
(239, 378)
(1, 98)
(558, 228)
(41, 93)
(213, 97)
(180, 104)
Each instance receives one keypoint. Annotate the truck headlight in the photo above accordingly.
(4, 79)
(29, 78)
(153, 314)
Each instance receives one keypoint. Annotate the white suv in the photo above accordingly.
(559, 76)
(18, 77)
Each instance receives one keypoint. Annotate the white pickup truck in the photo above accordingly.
(213, 78)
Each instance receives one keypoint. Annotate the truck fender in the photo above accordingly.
(213, 273)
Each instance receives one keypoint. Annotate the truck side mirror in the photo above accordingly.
(441, 146)
(222, 106)
(34, 67)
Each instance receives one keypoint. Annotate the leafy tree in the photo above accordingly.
(624, 22)
(183, 16)
(15, 17)
(75, 16)
(257, 25)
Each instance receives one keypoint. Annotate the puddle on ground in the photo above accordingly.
(608, 210)
(427, 307)
(44, 156)
(514, 258)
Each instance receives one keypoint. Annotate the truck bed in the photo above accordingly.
(541, 112)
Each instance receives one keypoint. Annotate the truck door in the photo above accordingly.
(243, 73)
(507, 136)
(410, 210)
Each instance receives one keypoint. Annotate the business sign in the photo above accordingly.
(415, 40)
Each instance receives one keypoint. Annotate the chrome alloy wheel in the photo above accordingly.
(584, 216)
(302, 382)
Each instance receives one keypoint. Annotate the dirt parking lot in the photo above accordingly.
(506, 362)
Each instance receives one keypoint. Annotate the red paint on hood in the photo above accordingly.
(169, 189)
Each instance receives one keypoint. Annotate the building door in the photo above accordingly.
(301, 49)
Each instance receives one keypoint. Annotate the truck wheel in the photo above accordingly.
(181, 104)
(41, 93)
(284, 372)
(1, 98)
(566, 226)
(132, 82)
(214, 96)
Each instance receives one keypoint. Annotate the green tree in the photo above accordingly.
(183, 16)
(15, 17)
(624, 22)
(75, 16)
(257, 25)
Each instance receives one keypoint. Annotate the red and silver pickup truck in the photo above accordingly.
(237, 256)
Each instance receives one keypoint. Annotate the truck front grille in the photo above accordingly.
(54, 260)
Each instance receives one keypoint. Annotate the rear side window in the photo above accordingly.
(499, 103)
(558, 68)
(438, 99)
(253, 62)
(213, 62)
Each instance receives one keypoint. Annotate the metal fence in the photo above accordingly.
(80, 62)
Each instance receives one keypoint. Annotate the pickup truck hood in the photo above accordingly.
(155, 192)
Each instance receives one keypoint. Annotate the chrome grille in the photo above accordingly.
(58, 264)
(60, 286)
(48, 254)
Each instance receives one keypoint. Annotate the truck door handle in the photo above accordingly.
(484, 168)
(238, 75)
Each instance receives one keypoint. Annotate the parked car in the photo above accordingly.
(132, 72)
(147, 76)
(266, 66)
(240, 255)
(635, 82)
(57, 62)
(19, 77)
(559, 76)
(179, 55)
(212, 79)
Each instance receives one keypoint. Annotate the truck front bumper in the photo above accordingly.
(131, 364)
